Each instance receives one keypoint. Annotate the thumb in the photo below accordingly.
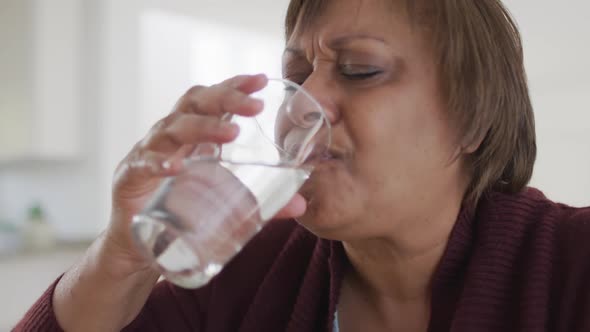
(295, 208)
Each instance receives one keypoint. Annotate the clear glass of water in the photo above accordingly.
(200, 219)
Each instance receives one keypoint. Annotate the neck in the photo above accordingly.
(399, 267)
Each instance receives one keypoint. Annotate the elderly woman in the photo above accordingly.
(421, 220)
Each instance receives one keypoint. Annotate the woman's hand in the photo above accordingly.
(196, 119)
(108, 288)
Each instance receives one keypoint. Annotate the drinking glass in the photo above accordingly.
(200, 219)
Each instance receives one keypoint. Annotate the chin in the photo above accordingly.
(324, 218)
(333, 201)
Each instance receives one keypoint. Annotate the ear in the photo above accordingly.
(466, 148)
(471, 147)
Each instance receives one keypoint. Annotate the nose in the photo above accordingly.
(304, 110)
(321, 90)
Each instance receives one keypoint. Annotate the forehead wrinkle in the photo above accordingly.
(311, 15)
(309, 28)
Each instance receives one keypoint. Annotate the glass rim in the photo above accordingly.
(314, 101)
(216, 155)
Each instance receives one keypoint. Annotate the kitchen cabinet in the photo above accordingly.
(40, 47)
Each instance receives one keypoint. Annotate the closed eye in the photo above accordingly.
(359, 72)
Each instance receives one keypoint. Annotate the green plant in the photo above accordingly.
(36, 213)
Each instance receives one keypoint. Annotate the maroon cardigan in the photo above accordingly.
(516, 263)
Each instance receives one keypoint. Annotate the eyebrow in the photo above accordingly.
(295, 51)
(337, 43)
(340, 41)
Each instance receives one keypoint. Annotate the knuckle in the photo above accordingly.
(152, 139)
(232, 100)
(170, 137)
(160, 124)
(196, 99)
(195, 90)
(165, 122)
(134, 150)
(235, 81)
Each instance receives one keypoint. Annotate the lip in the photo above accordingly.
(322, 157)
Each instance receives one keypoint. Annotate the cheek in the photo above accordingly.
(407, 122)
(402, 140)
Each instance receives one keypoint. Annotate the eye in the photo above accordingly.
(359, 72)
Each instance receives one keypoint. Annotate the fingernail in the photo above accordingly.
(239, 80)
(226, 125)
(232, 128)
(255, 103)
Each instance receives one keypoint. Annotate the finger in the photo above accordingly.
(184, 152)
(247, 83)
(190, 129)
(219, 100)
(295, 208)
(180, 156)
(230, 96)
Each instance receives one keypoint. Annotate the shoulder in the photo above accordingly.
(531, 210)
(571, 271)
(569, 225)
(573, 247)
(574, 227)
(547, 245)
(562, 234)
(523, 221)
(544, 235)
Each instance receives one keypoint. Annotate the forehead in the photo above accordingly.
(377, 18)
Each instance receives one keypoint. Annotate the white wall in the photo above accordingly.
(563, 138)
(557, 57)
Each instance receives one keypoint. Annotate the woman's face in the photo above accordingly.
(392, 145)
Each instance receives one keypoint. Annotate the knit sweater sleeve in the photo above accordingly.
(167, 309)
(571, 296)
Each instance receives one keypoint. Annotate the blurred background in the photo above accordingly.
(82, 80)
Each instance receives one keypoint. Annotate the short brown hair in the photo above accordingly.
(480, 58)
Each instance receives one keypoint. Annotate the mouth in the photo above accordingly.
(319, 155)
(324, 156)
